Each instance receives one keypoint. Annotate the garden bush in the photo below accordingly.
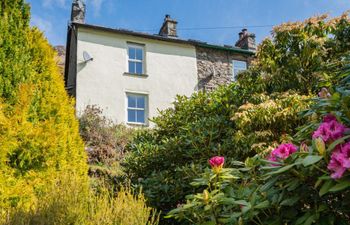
(105, 143)
(303, 184)
(39, 135)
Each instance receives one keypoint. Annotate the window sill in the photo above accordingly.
(137, 124)
(135, 75)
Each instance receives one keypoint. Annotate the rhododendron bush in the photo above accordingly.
(302, 182)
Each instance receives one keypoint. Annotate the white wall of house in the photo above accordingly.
(171, 70)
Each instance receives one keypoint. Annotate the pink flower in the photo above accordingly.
(340, 161)
(217, 161)
(335, 165)
(330, 130)
(282, 152)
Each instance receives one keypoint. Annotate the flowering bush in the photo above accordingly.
(299, 185)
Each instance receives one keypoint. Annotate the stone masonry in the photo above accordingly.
(215, 67)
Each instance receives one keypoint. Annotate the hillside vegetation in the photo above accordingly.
(253, 115)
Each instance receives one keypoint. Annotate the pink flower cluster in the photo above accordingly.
(340, 161)
(282, 152)
(330, 129)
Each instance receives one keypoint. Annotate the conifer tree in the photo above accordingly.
(39, 137)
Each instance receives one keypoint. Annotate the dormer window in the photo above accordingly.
(136, 59)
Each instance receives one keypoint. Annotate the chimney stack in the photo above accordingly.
(168, 28)
(78, 11)
(246, 40)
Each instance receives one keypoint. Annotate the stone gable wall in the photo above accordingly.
(215, 67)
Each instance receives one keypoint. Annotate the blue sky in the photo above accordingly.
(52, 16)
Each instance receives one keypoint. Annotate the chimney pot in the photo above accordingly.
(240, 35)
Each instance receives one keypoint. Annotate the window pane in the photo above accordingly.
(141, 102)
(132, 101)
(132, 53)
(139, 54)
(132, 67)
(138, 68)
(239, 64)
(131, 115)
(140, 116)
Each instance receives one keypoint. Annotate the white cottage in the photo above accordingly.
(131, 75)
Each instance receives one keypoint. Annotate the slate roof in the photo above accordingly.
(167, 39)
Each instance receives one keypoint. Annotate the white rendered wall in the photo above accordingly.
(171, 70)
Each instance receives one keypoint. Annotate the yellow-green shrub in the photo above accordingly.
(39, 138)
(71, 201)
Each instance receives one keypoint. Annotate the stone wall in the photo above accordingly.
(215, 67)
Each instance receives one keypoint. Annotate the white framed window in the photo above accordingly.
(136, 60)
(136, 108)
(238, 66)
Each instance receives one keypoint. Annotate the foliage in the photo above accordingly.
(301, 56)
(307, 187)
(39, 138)
(16, 47)
(203, 125)
(70, 201)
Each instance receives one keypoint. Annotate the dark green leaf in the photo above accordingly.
(340, 186)
(325, 187)
(290, 201)
(262, 205)
(281, 170)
